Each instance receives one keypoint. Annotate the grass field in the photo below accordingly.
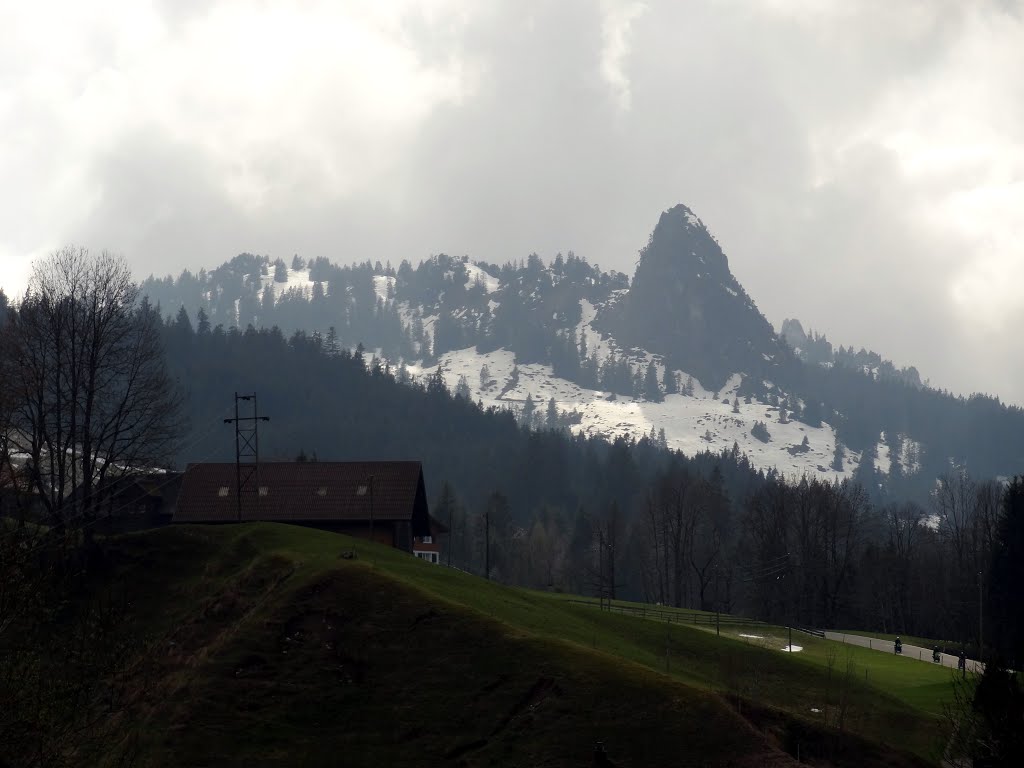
(269, 641)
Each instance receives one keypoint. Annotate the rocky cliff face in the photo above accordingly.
(686, 305)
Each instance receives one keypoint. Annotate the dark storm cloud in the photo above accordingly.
(797, 131)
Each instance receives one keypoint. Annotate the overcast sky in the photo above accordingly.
(862, 164)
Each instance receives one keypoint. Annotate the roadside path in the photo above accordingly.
(910, 651)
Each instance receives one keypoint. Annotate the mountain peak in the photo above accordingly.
(685, 304)
(682, 246)
(683, 213)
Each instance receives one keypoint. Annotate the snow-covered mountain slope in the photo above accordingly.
(704, 421)
(691, 423)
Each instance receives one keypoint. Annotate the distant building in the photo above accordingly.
(137, 501)
(347, 497)
(132, 501)
(429, 547)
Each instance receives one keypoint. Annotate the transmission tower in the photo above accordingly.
(247, 447)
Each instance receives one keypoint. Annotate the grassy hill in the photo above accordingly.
(275, 645)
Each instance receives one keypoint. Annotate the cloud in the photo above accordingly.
(615, 25)
(861, 163)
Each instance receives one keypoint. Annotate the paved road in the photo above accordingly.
(909, 651)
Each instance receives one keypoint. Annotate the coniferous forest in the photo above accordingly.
(704, 531)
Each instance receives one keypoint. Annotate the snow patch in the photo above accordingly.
(692, 424)
(475, 273)
(381, 283)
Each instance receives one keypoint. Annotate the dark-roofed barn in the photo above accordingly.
(347, 497)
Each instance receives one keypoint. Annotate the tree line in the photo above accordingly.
(562, 511)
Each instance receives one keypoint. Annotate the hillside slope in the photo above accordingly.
(276, 645)
(267, 656)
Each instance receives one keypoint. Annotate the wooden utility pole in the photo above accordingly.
(718, 627)
(668, 629)
(981, 625)
(451, 530)
(371, 507)
(487, 543)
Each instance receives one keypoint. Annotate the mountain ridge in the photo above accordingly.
(683, 331)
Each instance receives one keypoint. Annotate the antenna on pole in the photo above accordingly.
(247, 446)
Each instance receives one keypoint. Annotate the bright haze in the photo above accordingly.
(862, 164)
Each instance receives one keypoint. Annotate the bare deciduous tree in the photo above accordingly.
(90, 396)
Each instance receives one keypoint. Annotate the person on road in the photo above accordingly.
(962, 663)
(935, 655)
(898, 645)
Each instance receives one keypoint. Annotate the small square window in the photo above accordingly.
(223, 490)
(264, 490)
(321, 491)
(428, 539)
(361, 490)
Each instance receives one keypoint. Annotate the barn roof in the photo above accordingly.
(311, 491)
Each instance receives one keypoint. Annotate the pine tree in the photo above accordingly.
(332, 347)
(652, 392)
(735, 405)
(837, 457)
(1007, 574)
(529, 408)
(435, 383)
(668, 381)
(552, 414)
(298, 262)
(429, 348)
(485, 377)
(462, 389)
(202, 322)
